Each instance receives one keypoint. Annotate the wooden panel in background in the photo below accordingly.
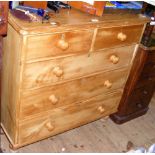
(36, 4)
(95, 9)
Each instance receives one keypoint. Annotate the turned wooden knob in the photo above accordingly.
(49, 126)
(62, 44)
(139, 105)
(150, 79)
(58, 71)
(53, 99)
(114, 59)
(107, 84)
(101, 109)
(145, 92)
(121, 36)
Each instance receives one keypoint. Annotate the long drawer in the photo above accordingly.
(117, 36)
(67, 117)
(58, 44)
(54, 71)
(44, 99)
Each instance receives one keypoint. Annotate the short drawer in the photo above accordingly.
(116, 36)
(151, 56)
(68, 117)
(45, 99)
(140, 98)
(44, 46)
(60, 70)
(145, 80)
(148, 70)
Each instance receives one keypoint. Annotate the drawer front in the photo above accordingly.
(68, 117)
(147, 80)
(58, 44)
(116, 36)
(59, 70)
(45, 99)
(148, 70)
(151, 56)
(140, 98)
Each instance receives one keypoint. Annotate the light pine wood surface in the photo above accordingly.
(75, 66)
(41, 100)
(99, 136)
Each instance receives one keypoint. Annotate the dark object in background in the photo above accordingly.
(46, 17)
(1, 151)
(57, 5)
(62, 5)
(53, 7)
(20, 15)
(140, 85)
(40, 12)
(147, 39)
(3, 30)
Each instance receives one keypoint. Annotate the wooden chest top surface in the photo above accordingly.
(73, 19)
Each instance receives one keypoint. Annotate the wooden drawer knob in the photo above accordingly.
(121, 36)
(53, 99)
(107, 84)
(101, 109)
(145, 92)
(114, 59)
(150, 79)
(49, 126)
(62, 44)
(58, 71)
(139, 105)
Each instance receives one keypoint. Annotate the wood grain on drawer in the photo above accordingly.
(68, 117)
(59, 70)
(116, 36)
(58, 44)
(44, 99)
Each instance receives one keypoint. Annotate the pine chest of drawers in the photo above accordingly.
(59, 76)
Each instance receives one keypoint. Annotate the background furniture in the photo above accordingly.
(65, 74)
(139, 87)
(96, 9)
(141, 84)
